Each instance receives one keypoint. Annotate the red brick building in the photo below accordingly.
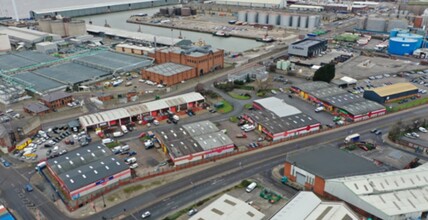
(56, 99)
(205, 59)
(311, 169)
(169, 73)
(36, 109)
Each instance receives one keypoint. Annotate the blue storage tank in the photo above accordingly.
(417, 37)
(393, 32)
(402, 46)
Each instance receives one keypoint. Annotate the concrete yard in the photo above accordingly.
(361, 67)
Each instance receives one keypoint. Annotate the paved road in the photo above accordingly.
(157, 200)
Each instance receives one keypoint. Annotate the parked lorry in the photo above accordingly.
(352, 138)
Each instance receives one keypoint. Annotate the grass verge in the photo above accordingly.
(113, 144)
(227, 107)
(409, 104)
(238, 96)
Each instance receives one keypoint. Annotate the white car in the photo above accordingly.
(141, 80)
(422, 129)
(319, 109)
(156, 122)
(414, 134)
(146, 214)
(248, 127)
(133, 166)
(160, 86)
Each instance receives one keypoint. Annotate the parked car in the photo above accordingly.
(414, 134)
(374, 130)
(422, 129)
(192, 212)
(28, 187)
(146, 214)
(378, 132)
(319, 109)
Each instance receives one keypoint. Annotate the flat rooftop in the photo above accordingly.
(394, 89)
(227, 207)
(110, 61)
(193, 138)
(277, 124)
(194, 51)
(79, 7)
(362, 107)
(327, 92)
(169, 69)
(39, 83)
(330, 162)
(133, 35)
(306, 43)
(277, 106)
(22, 59)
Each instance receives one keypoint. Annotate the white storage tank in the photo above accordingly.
(262, 18)
(273, 19)
(295, 21)
(252, 17)
(285, 20)
(285, 65)
(57, 27)
(242, 16)
(303, 24)
(4, 43)
(279, 64)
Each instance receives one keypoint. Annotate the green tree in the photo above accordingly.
(326, 73)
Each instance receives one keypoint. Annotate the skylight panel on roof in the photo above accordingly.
(84, 176)
(107, 168)
(71, 180)
(95, 171)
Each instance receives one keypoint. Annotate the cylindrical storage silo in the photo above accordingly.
(311, 22)
(393, 33)
(418, 38)
(303, 23)
(262, 17)
(45, 25)
(252, 17)
(279, 64)
(57, 27)
(285, 20)
(186, 12)
(242, 16)
(295, 21)
(285, 65)
(400, 24)
(273, 19)
(376, 24)
(75, 28)
(402, 46)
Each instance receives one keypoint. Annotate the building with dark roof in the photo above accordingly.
(56, 100)
(169, 73)
(204, 59)
(278, 120)
(308, 47)
(36, 109)
(339, 101)
(193, 142)
(310, 169)
(391, 93)
(87, 170)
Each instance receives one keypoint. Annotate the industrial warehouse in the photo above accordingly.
(154, 109)
(53, 75)
(339, 101)
(307, 47)
(169, 73)
(391, 93)
(311, 169)
(193, 142)
(279, 120)
(87, 171)
(399, 194)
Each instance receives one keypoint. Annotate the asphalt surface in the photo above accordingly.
(157, 200)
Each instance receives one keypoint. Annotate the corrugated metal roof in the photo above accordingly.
(278, 106)
(133, 35)
(394, 89)
(126, 112)
(386, 195)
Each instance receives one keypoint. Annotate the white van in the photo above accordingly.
(107, 141)
(55, 149)
(130, 160)
(117, 134)
(41, 165)
(251, 187)
(124, 149)
(124, 129)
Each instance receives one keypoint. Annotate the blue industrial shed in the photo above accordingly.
(391, 93)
